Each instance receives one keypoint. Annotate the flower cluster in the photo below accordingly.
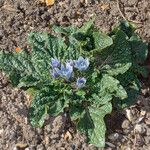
(66, 71)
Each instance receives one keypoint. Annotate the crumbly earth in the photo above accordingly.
(126, 130)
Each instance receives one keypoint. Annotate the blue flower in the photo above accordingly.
(65, 71)
(70, 62)
(54, 73)
(55, 63)
(80, 82)
(82, 64)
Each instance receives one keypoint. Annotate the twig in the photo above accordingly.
(124, 17)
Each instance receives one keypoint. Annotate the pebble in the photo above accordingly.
(1, 3)
(132, 2)
(110, 144)
(1, 131)
(148, 132)
(139, 129)
(40, 147)
(47, 140)
(129, 115)
(125, 124)
(147, 121)
(15, 148)
(113, 136)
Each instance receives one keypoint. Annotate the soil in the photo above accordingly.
(126, 130)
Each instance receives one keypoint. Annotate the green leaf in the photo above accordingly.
(46, 101)
(47, 44)
(64, 30)
(132, 85)
(87, 26)
(139, 49)
(97, 137)
(16, 65)
(81, 93)
(101, 41)
(117, 58)
(92, 124)
(140, 70)
(108, 88)
(76, 111)
(125, 26)
(85, 124)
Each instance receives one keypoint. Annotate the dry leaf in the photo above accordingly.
(48, 2)
(20, 145)
(67, 136)
(29, 98)
(18, 49)
(104, 6)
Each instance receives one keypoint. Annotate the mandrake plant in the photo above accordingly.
(81, 69)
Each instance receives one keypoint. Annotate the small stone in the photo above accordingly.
(15, 148)
(132, 2)
(129, 115)
(47, 140)
(21, 145)
(1, 131)
(40, 147)
(147, 121)
(27, 148)
(67, 136)
(110, 144)
(113, 136)
(148, 132)
(1, 3)
(139, 129)
(143, 112)
(125, 124)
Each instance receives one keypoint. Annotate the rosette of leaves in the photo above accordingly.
(111, 78)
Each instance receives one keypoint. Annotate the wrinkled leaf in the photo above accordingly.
(97, 115)
(101, 41)
(46, 102)
(117, 59)
(108, 88)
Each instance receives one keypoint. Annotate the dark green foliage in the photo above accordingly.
(112, 74)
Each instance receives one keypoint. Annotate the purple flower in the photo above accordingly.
(54, 73)
(82, 64)
(80, 82)
(70, 62)
(55, 63)
(65, 71)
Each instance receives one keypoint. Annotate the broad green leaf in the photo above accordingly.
(140, 70)
(108, 88)
(85, 124)
(76, 111)
(125, 26)
(97, 137)
(132, 86)
(87, 26)
(46, 101)
(117, 58)
(16, 65)
(101, 41)
(139, 49)
(64, 30)
(92, 124)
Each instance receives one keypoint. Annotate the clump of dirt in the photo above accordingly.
(17, 19)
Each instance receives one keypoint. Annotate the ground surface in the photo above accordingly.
(17, 19)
